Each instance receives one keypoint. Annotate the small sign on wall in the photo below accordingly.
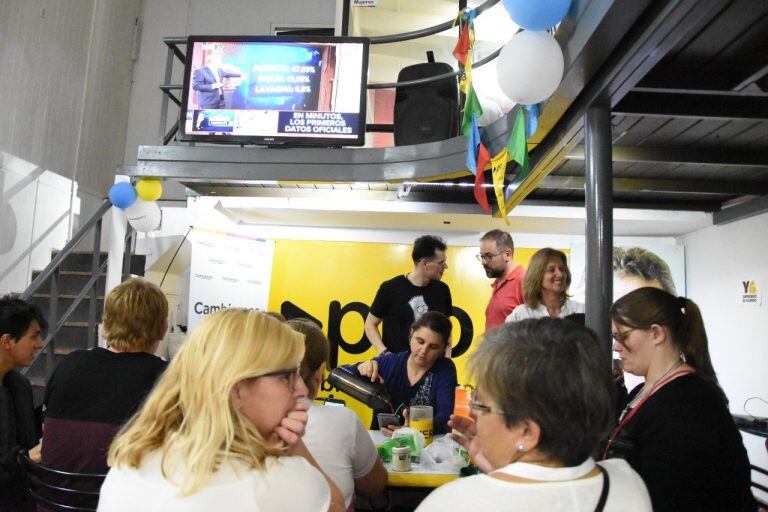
(750, 292)
(364, 3)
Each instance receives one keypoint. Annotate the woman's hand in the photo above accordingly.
(370, 369)
(291, 428)
(468, 439)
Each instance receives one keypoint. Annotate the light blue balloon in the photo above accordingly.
(537, 14)
(122, 195)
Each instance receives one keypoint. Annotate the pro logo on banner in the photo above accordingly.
(334, 283)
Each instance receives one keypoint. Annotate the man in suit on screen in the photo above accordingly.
(208, 81)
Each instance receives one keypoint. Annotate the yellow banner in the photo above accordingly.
(335, 283)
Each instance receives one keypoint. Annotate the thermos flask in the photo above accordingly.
(372, 394)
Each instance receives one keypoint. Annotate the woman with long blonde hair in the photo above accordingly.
(222, 428)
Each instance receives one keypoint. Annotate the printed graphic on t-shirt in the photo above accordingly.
(418, 306)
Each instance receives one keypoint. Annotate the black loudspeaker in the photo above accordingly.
(427, 112)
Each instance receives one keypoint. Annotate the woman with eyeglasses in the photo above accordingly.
(222, 428)
(676, 431)
(546, 288)
(420, 376)
(533, 435)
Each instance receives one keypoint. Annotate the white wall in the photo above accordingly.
(717, 259)
(65, 82)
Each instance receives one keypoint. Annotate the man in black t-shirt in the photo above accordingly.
(404, 298)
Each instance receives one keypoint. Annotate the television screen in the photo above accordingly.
(275, 90)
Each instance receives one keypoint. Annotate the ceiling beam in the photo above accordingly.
(741, 211)
(655, 186)
(657, 30)
(694, 105)
(686, 155)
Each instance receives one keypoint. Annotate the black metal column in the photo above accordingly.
(599, 228)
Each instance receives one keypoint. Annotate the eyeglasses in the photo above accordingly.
(488, 256)
(289, 375)
(478, 407)
(620, 337)
(442, 263)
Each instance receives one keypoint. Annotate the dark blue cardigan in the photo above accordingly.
(393, 369)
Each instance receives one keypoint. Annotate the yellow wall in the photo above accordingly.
(313, 274)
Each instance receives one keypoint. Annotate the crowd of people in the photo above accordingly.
(231, 422)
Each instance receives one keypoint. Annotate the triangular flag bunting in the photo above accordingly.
(473, 140)
(517, 147)
(466, 76)
(461, 50)
(471, 106)
(533, 119)
(482, 160)
(498, 170)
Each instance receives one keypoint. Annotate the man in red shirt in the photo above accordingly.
(496, 252)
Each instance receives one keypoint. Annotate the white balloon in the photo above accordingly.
(530, 67)
(143, 215)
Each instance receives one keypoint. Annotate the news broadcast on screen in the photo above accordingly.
(275, 90)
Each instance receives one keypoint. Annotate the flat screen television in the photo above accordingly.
(272, 90)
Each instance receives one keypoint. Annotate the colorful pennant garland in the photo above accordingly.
(477, 154)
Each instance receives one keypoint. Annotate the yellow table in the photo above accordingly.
(417, 477)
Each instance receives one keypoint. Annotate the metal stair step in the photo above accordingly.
(80, 313)
(72, 281)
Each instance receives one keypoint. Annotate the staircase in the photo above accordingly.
(53, 289)
(78, 331)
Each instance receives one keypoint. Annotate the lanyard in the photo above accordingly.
(666, 380)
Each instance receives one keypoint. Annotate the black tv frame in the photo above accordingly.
(277, 140)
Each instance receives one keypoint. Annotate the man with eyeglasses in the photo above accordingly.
(404, 298)
(496, 255)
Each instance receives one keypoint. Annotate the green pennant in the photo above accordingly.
(517, 147)
(471, 105)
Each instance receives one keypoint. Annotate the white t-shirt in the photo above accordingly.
(522, 311)
(478, 493)
(341, 446)
(288, 484)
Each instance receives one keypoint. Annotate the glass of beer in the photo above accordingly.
(421, 417)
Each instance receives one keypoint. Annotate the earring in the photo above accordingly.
(520, 447)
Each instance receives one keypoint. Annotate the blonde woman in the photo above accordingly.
(222, 429)
(546, 288)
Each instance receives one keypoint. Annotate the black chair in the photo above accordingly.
(57, 490)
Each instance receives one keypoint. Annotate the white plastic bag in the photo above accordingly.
(443, 454)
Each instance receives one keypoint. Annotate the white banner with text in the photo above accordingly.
(228, 271)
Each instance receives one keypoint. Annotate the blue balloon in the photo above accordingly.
(537, 14)
(122, 195)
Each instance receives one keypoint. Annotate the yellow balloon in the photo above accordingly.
(149, 189)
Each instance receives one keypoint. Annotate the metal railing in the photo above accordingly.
(52, 273)
(174, 52)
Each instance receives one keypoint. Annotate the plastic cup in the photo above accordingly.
(421, 419)
(463, 395)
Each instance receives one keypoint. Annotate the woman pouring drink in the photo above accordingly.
(421, 376)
